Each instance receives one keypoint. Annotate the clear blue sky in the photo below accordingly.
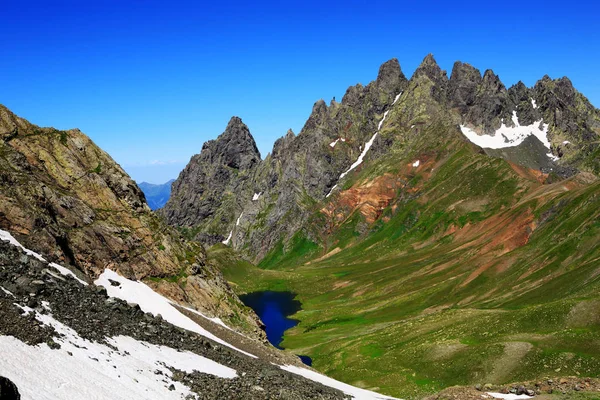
(151, 81)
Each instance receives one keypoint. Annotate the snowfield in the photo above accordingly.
(507, 136)
(82, 369)
(152, 302)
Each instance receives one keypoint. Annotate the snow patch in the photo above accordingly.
(509, 396)
(509, 136)
(382, 119)
(357, 393)
(152, 302)
(6, 236)
(122, 370)
(216, 320)
(566, 142)
(237, 223)
(226, 241)
(8, 292)
(534, 104)
(552, 157)
(256, 196)
(416, 163)
(397, 97)
(332, 144)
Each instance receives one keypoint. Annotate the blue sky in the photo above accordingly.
(151, 81)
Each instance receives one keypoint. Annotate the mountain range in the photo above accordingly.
(438, 231)
(156, 195)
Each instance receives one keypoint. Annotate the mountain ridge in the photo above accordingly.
(433, 259)
(479, 102)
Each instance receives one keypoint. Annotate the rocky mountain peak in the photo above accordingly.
(430, 68)
(390, 74)
(283, 142)
(519, 93)
(462, 87)
(491, 82)
(318, 115)
(235, 147)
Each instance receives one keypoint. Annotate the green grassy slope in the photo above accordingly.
(470, 271)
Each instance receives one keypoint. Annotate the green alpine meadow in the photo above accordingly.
(431, 261)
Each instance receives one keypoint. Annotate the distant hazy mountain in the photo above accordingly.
(156, 195)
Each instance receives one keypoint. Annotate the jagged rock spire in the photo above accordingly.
(463, 84)
(235, 147)
(390, 75)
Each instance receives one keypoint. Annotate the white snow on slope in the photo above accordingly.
(8, 292)
(237, 223)
(152, 302)
(509, 136)
(534, 104)
(216, 320)
(4, 235)
(97, 371)
(566, 142)
(357, 393)
(332, 144)
(226, 241)
(509, 396)
(397, 97)
(256, 196)
(416, 163)
(382, 119)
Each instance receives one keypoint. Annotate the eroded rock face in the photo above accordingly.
(67, 199)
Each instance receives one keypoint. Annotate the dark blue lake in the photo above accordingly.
(274, 308)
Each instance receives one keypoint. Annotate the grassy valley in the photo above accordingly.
(459, 269)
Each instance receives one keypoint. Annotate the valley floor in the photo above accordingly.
(359, 326)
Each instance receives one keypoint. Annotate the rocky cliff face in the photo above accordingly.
(263, 203)
(267, 203)
(212, 190)
(65, 198)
